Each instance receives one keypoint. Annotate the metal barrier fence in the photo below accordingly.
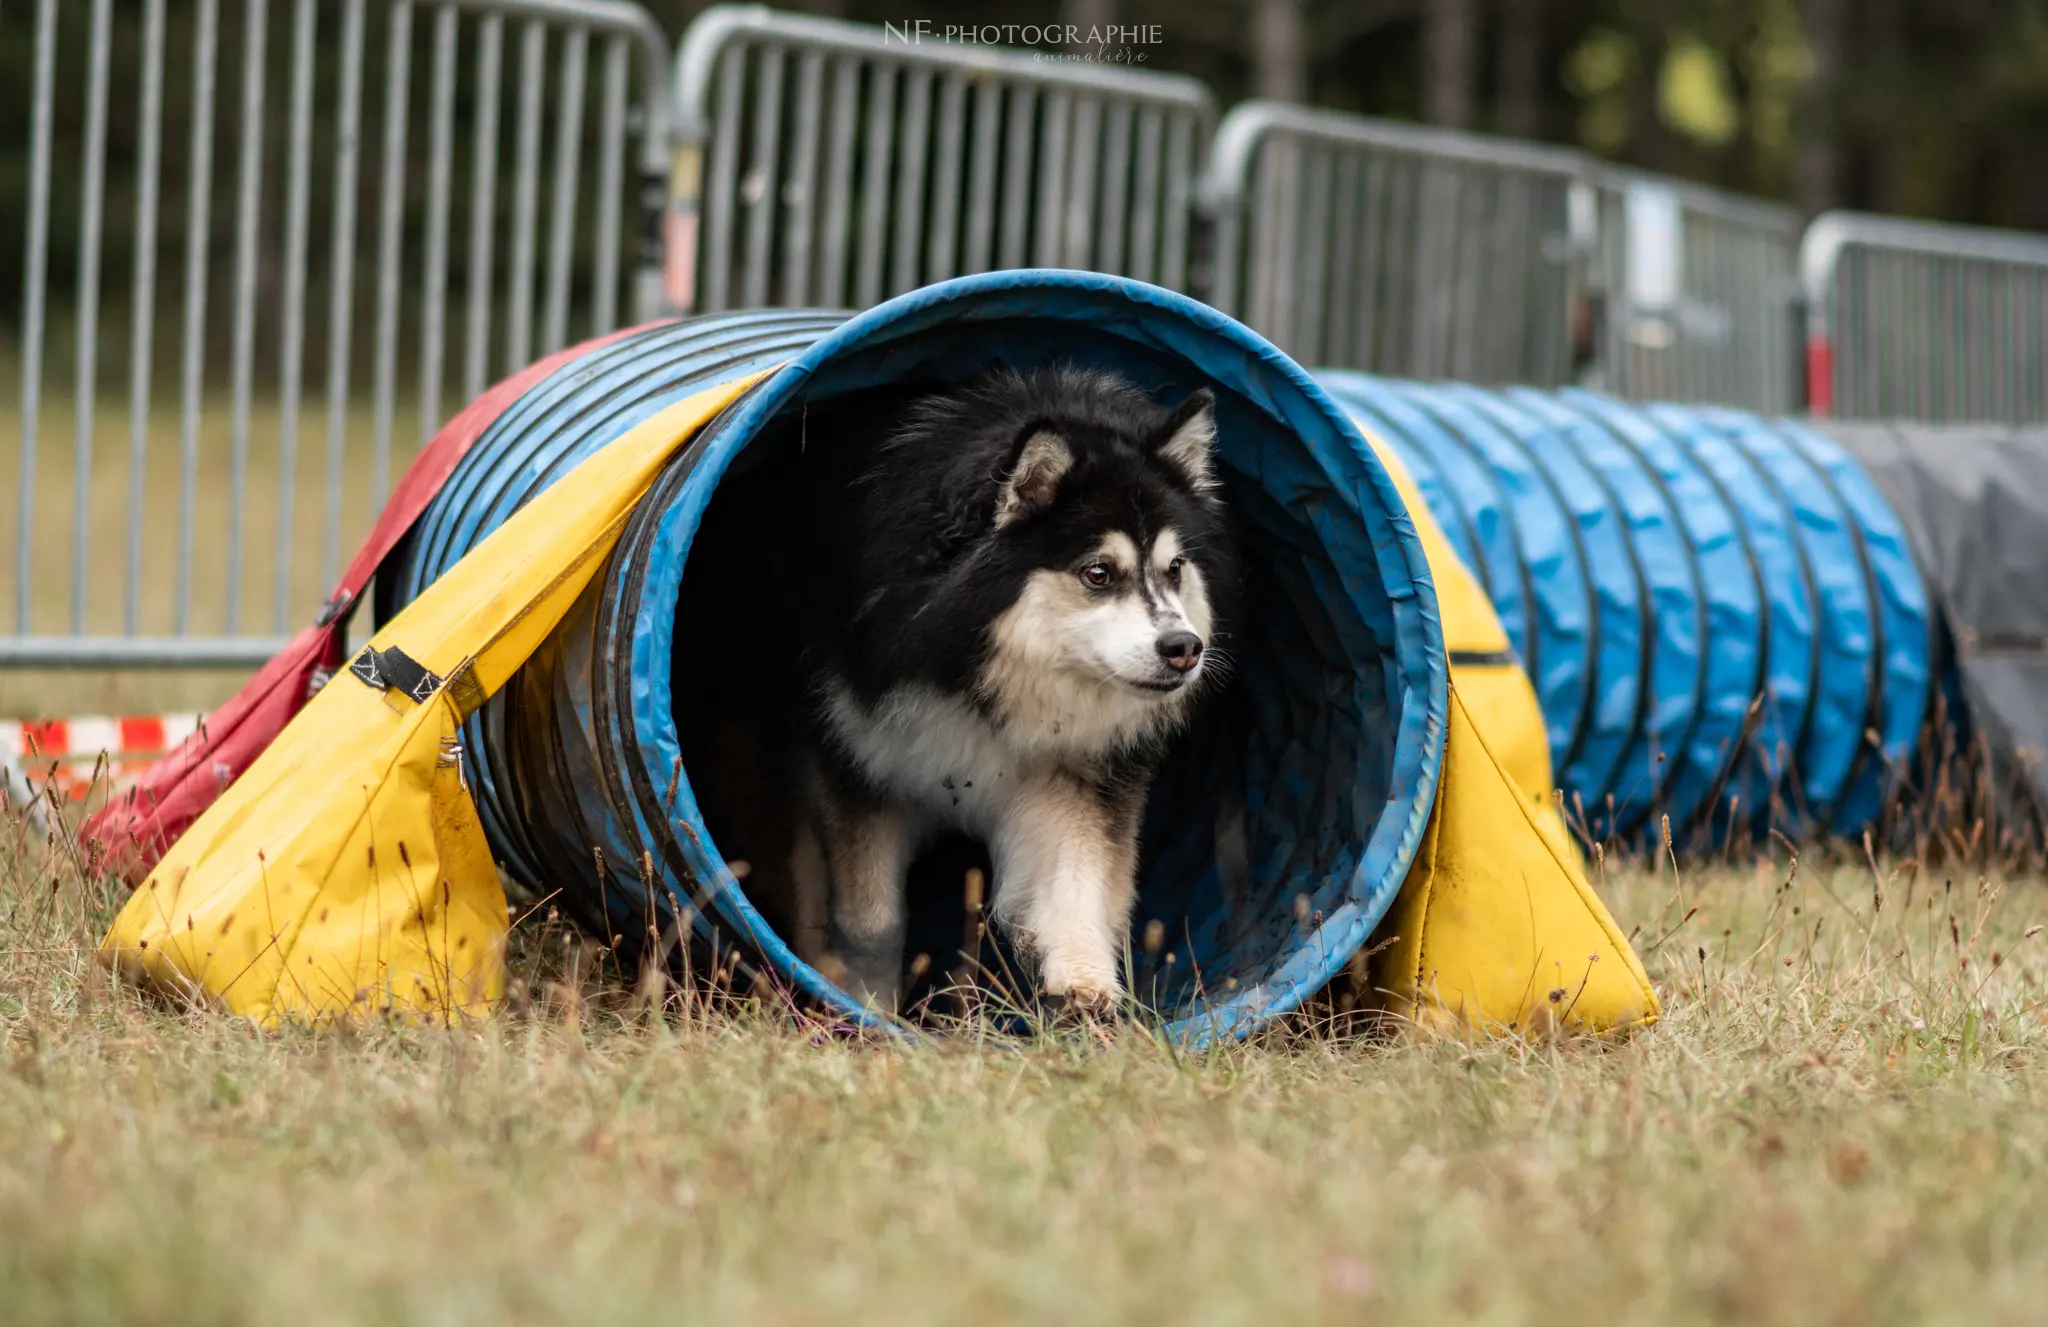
(1698, 295)
(449, 305)
(1396, 249)
(1907, 319)
(1355, 243)
(389, 258)
(829, 163)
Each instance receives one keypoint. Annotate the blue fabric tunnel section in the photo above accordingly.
(1287, 818)
(1721, 614)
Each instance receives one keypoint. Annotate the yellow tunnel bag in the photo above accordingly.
(345, 874)
(1496, 926)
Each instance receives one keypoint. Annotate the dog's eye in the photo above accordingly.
(1098, 575)
(1173, 570)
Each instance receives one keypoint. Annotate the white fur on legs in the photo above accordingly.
(1065, 887)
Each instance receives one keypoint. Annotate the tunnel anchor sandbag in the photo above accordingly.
(346, 874)
(1496, 927)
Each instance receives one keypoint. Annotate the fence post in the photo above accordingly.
(1396, 248)
(818, 160)
(184, 608)
(1924, 320)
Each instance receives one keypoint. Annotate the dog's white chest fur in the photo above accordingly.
(937, 753)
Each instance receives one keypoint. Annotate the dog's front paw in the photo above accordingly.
(1082, 1001)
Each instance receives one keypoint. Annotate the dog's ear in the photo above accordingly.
(1187, 440)
(1043, 459)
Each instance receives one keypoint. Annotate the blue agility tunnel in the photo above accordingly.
(1720, 613)
(1287, 818)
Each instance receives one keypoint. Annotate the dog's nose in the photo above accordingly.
(1180, 649)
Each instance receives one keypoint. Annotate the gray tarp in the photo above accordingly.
(1974, 500)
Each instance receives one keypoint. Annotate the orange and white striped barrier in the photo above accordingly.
(67, 753)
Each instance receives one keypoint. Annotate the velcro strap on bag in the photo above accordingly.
(394, 670)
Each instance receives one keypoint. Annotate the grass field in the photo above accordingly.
(1839, 1121)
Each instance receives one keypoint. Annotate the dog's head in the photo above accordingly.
(1101, 539)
